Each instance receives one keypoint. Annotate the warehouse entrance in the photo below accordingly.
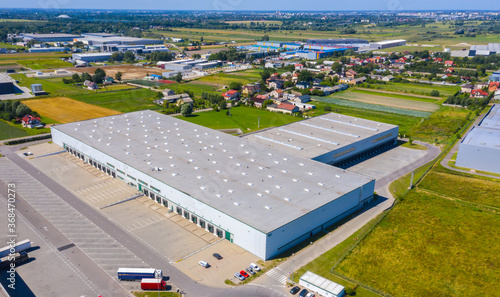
(229, 236)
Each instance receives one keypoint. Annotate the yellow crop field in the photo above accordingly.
(66, 110)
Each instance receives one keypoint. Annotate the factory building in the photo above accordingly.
(334, 139)
(480, 148)
(92, 57)
(100, 39)
(341, 41)
(264, 199)
(55, 37)
(208, 65)
(387, 44)
(6, 86)
(48, 49)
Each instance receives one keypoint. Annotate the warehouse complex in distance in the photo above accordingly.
(480, 148)
(332, 138)
(265, 197)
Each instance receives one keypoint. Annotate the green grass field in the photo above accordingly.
(394, 95)
(419, 89)
(226, 78)
(53, 86)
(8, 131)
(123, 101)
(480, 191)
(245, 118)
(440, 125)
(192, 86)
(10, 46)
(44, 64)
(404, 122)
(430, 246)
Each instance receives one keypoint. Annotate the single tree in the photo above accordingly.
(178, 77)
(118, 76)
(186, 109)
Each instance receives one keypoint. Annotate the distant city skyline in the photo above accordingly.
(259, 5)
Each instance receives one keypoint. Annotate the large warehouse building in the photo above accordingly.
(263, 199)
(480, 148)
(6, 85)
(53, 37)
(334, 139)
(100, 39)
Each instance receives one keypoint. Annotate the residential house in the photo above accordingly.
(449, 70)
(495, 76)
(301, 99)
(351, 73)
(344, 80)
(249, 90)
(479, 93)
(92, 86)
(303, 85)
(493, 86)
(171, 98)
(257, 102)
(108, 80)
(448, 63)
(273, 78)
(302, 106)
(481, 86)
(387, 78)
(168, 92)
(357, 81)
(287, 108)
(276, 84)
(286, 74)
(231, 95)
(277, 93)
(31, 122)
(467, 88)
(183, 100)
(316, 81)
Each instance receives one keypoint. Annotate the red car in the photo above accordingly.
(244, 273)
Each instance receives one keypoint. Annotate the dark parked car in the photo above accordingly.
(217, 256)
(294, 290)
(303, 293)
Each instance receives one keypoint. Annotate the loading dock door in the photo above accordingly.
(229, 236)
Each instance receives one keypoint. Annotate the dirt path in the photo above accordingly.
(399, 93)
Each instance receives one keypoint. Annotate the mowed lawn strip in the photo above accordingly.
(45, 63)
(245, 118)
(394, 95)
(430, 246)
(66, 110)
(381, 99)
(53, 86)
(480, 191)
(123, 100)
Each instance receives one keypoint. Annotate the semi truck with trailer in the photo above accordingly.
(17, 258)
(134, 274)
(20, 246)
(153, 284)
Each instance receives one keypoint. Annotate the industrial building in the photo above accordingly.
(92, 57)
(47, 49)
(338, 41)
(331, 138)
(313, 54)
(387, 44)
(55, 37)
(100, 39)
(6, 86)
(261, 198)
(478, 50)
(480, 148)
(321, 285)
(208, 65)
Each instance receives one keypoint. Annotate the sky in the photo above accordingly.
(235, 5)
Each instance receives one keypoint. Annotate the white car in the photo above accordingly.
(254, 267)
(204, 264)
(310, 294)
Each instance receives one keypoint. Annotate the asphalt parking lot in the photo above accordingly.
(94, 242)
(387, 162)
(180, 241)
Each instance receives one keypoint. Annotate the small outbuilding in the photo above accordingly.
(321, 285)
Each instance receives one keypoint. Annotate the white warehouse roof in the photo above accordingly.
(484, 137)
(322, 283)
(319, 135)
(260, 186)
(492, 119)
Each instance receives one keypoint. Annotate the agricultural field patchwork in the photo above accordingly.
(66, 110)
(121, 100)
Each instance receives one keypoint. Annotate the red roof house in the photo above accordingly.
(448, 63)
(31, 121)
(479, 93)
(231, 95)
